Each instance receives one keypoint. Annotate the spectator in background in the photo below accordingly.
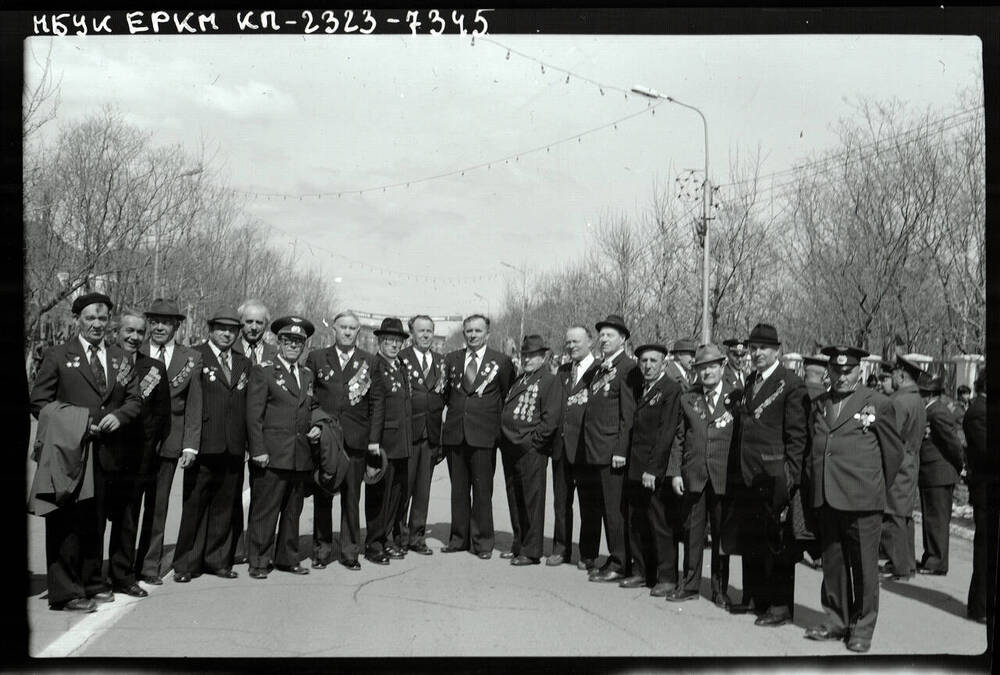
(964, 395)
(984, 490)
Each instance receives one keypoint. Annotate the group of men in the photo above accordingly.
(659, 451)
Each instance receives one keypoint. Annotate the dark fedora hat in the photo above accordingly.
(616, 322)
(381, 462)
(295, 326)
(764, 334)
(225, 316)
(391, 326)
(639, 351)
(91, 299)
(165, 307)
(682, 346)
(532, 344)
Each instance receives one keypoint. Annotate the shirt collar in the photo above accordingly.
(86, 345)
(286, 364)
(215, 350)
(650, 385)
(585, 362)
(715, 391)
(612, 357)
(247, 347)
(480, 353)
(346, 355)
(767, 373)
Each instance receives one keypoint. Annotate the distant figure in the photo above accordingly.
(984, 495)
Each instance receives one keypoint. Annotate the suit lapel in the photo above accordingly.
(852, 404)
(766, 389)
(177, 361)
(519, 386)
(76, 348)
(112, 355)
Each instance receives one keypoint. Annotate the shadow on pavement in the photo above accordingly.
(928, 596)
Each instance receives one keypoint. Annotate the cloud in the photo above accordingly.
(249, 100)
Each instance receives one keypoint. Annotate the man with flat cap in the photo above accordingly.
(733, 373)
(815, 374)
(772, 438)
(704, 460)
(855, 453)
(897, 521)
(183, 365)
(940, 466)
(478, 381)
(653, 527)
(98, 383)
(678, 368)
(568, 457)
(607, 428)
(391, 433)
(427, 380)
(206, 540)
(282, 425)
(528, 425)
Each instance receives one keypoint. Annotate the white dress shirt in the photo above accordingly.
(288, 366)
(480, 355)
(767, 373)
(582, 367)
(257, 350)
(102, 354)
(168, 352)
(344, 357)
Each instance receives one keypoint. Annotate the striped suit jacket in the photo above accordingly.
(704, 448)
(223, 405)
(656, 416)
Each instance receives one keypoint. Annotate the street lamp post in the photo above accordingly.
(706, 329)
(524, 293)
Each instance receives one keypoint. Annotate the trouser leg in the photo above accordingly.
(695, 518)
(716, 505)
(863, 533)
(266, 496)
(835, 591)
(935, 505)
(482, 466)
(533, 470)
(154, 520)
(286, 547)
(588, 485)
(350, 506)
(612, 482)
(421, 468)
(563, 487)
(509, 457)
(219, 532)
(461, 508)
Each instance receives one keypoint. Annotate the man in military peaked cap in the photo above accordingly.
(734, 372)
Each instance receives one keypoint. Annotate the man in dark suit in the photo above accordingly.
(652, 509)
(678, 367)
(139, 442)
(940, 466)
(183, 365)
(897, 522)
(478, 381)
(734, 373)
(89, 373)
(568, 456)
(281, 425)
(528, 423)
(205, 540)
(772, 438)
(254, 319)
(391, 433)
(704, 459)
(855, 453)
(427, 379)
(984, 495)
(343, 375)
(607, 426)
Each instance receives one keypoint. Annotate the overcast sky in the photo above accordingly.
(301, 115)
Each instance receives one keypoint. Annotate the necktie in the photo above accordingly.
(162, 354)
(253, 355)
(343, 359)
(710, 401)
(757, 382)
(424, 365)
(224, 362)
(295, 374)
(95, 365)
(471, 371)
(576, 373)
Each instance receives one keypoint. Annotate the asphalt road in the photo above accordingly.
(458, 605)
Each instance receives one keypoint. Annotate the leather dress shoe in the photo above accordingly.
(103, 596)
(555, 560)
(75, 605)
(317, 565)
(607, 575)
(152, 581)
(258, 573)
(422, 549)
(484, 555)
(292, 569)
(135, 590)
(507, 555)
(892, 576)
(586, 564)
(524, 560)
(662, 589)
(858, 644)
(978, 618)
(240, 559)
(377, 558)
(352, 565)
(770, 620)
(886, 568)
(225, 573)
(930, 572)
(682, 594)
(395, 552)
(722, 600)
(633, 581)
(824, 632)
(745, 608)
(182, 577)
(452, 549)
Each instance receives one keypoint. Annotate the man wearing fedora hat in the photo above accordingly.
(772, 439)
(940, 466)
(678, 367)
(855, 453)
(183, 366)
(283, 422)
(98, 379)
(477, 383)
(206, 540)
(734, 372)
(897, 521)
(704, 461)
(391, 433)
(528, 423)
(652, 509)
(607, 427)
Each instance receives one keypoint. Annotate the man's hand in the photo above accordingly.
(373, 448)
(648, 481)
(617, 462)
(261, 460)
(370, 471)
(314, 434)
(187, 458)
(109, 423)
(677, 483)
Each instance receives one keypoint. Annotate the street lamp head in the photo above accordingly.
(646, 91)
